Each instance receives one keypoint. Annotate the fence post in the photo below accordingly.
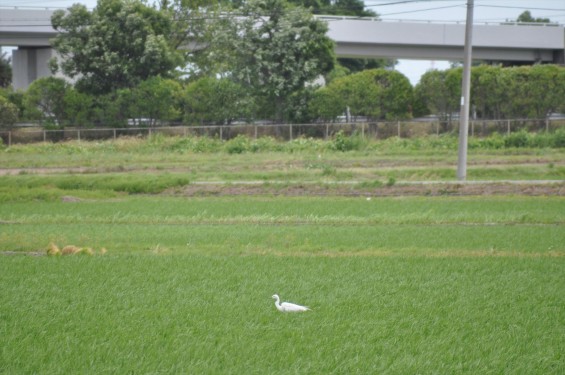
(507, 127)
(78, 135)
(44, 135)
(290, 129)
(221, 132)
(9, 138)
(114, 134)
(255, 128)
(363, 130)
(398, 128)
(546, 125)
(327, 132)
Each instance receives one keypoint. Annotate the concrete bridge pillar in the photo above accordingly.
(29, 64)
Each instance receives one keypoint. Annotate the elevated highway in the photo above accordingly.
(30, 30)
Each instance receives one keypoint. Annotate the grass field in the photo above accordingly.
(397, 285)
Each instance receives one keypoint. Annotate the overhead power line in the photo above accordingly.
(422, 10)
(395, 3)
(514, 7)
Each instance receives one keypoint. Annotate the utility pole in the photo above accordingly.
(465, 94)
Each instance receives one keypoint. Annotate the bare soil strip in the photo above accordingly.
(482, 188)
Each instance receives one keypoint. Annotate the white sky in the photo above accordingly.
(421, 10)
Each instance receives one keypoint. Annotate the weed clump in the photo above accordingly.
(86, 251)
(345, 143)
(69, 250)
(238, 145)
(53, 250)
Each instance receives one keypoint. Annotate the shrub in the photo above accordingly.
(265, 144)
(495, 141)
(519, 139)
(196, 144)
(541, 140)
(559, 138)
(238, 145)
(305, 144)
(445, 142)
(344, 143)
(8, 113)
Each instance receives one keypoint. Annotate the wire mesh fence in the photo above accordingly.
(373, 130)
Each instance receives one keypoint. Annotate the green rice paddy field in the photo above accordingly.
(397, 285)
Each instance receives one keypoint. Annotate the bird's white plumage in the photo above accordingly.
(287, 306)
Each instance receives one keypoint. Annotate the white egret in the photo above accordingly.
(287, 306)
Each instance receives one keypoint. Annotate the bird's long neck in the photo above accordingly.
(278, 303)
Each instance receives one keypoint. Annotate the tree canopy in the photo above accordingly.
(338, 7)
(440, 91)
(378, 94)
(526, 16)
(497, 92)
(8, 113)
(116, 45)
(272, 49)
(5, 70)
(201, 97)
(259, 61)
(45, 100)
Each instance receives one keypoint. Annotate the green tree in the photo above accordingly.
(155, 99)
(497, 92)
(14, 97)
(358, 65)
(274, 50)
(535, 91)
(297, 109)
(547, 85)
(5, 70)
(327, 104)
(190, 28)
(117, 45)
(188, 19)
(8, 113)
(396, 94)
(521, 102)
(79, 108)
(45, 100)
(347, 8)
(489, 91)
(358, 94)
(440, 91)
(112, 109)
(377, 94)
(317, 6)
(526, 16)
(219, 101)
(336, 7)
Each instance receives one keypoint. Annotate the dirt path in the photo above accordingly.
(44, 171)
(425, 188)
